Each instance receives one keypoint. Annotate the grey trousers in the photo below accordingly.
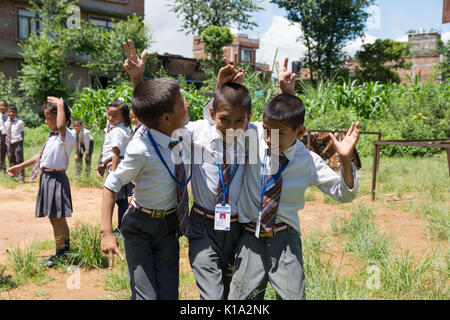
(211, 254)
(15, 156)
(277, 259)
(3, 152)
(152, 252)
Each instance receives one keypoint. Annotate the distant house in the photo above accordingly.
(242, 50)
(17, 23)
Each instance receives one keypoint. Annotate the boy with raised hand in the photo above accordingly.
(273, 193)
(215, 180)
(158, 212)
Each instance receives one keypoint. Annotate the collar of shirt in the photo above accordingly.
(161, 139)
(13, 120)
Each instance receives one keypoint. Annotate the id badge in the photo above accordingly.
(222, 217)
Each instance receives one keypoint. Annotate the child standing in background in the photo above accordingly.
(113, 150)
(3, 118)
(54, 199)
(14, 129)
(136, 123)
(83, 143)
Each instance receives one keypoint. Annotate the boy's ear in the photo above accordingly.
(212, 113)
(249, 117)
(300, 132)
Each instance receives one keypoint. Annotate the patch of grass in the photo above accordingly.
(437, 216)
(6, 281)
(24, 262)
(85, 248)
(117, 281)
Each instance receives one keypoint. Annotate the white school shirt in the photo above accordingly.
(85, 137)
(118, 136)
(305, 168)
(56, 154)
(3, 119)
(205, 172)
(154, 187)
(16, 129)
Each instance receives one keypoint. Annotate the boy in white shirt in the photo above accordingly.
(14, 134)
(84, 144)
(273, 193)
(3, 150)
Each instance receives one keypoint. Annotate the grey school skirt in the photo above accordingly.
(54, 199)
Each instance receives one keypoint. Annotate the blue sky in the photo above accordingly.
(394, 19)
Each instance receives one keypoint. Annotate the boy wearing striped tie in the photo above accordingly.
(158, 212)
(273, 193)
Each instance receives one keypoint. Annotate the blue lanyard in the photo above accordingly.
(265, 186)
(222, 180)
(155, 146)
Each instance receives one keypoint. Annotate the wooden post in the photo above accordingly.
(376, 156)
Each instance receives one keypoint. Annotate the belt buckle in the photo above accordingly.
(264, 234)
(159, 214)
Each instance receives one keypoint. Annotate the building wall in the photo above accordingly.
(10, 58)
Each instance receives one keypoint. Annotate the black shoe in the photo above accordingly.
(50, 261)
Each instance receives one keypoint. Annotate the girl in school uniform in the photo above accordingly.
(114, 146)
(54, 199)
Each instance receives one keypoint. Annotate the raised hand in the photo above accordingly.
(345, 147)
(56, 101)
(286, 79)
(229, 73)
(134, 65)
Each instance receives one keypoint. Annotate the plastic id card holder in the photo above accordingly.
(222, 217)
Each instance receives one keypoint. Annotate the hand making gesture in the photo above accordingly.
(345, 147)
(134, 65)
(286, 79)
(229, 73)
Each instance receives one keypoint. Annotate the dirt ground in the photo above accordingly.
(19, 227)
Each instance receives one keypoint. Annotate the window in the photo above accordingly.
(104, 24)
(246, 55)
(27, 23)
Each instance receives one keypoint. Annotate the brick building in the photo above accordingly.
(242, 50)
(177, 65)
(16, 23)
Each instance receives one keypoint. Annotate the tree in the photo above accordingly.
(327, 25)
(215, 38)
(44, 67)
(443, 67)
(102, 48)
(199, 15)
(378, 61)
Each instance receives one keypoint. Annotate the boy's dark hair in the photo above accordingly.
(287, 108)
(54, 109)
(78, 120)
(233, 94)
(6, 103)
(12, 107)
(152, 98)
(124, 109)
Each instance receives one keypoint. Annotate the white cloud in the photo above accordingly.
(445, 36)
(403, 38)
(165, 25)
(355, 45)
(282, 35)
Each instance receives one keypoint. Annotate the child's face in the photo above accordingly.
(12, 114)
(286, 135)
(77, 126)
(227, 117)
(133, 119)
(50, 119)
(114, 116)
(2, 107)
(180, 115)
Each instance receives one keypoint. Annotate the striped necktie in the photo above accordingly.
(226, 178)
(271, 199)
(182, 196)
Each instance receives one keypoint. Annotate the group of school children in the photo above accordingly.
(247, 179)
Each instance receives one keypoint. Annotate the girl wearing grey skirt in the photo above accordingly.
(53, 199)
